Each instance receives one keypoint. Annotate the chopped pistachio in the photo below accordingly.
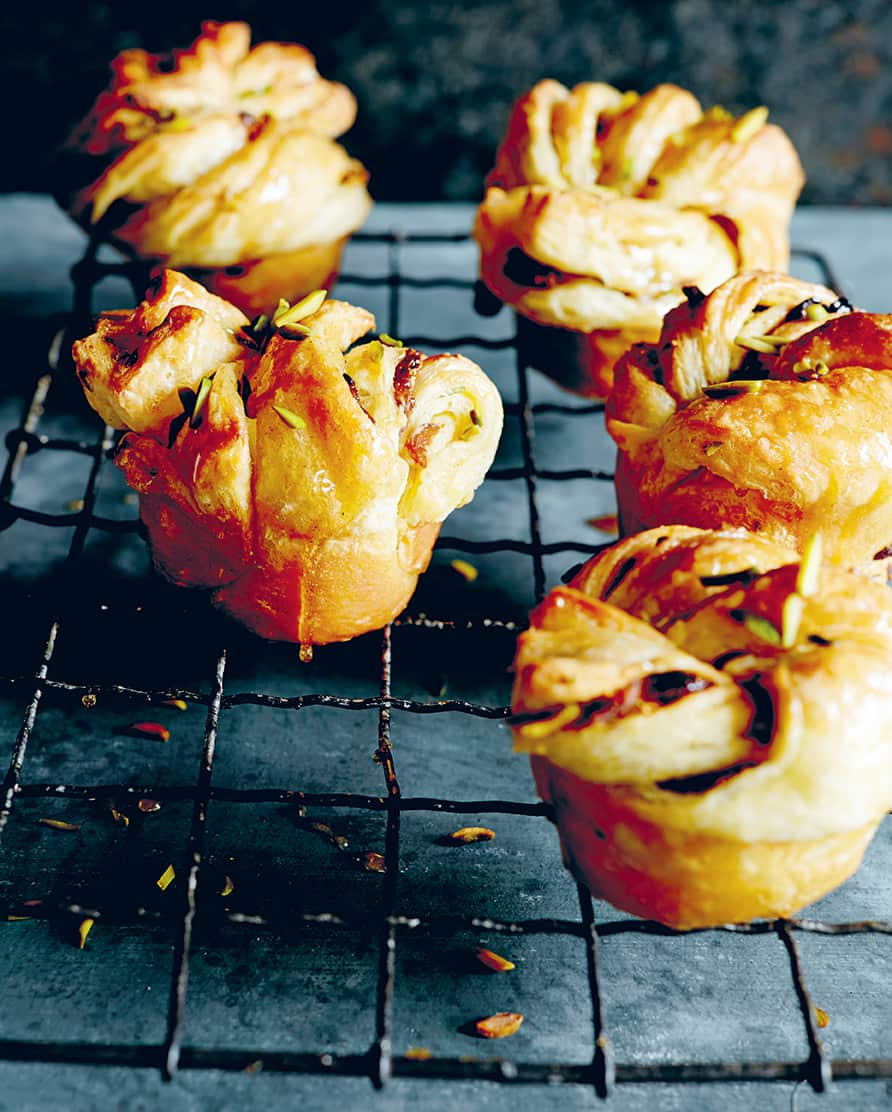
(629, 98)
(166, 879)
(204, 388)
(494, 961)
(290, 417)
(390, 341)
(58, 824)
(816, 312)
(748, 124)
(76, 505)
(119, 817)
(305, 654)
(765, 345)
(228, 887)
(177, 123)
(791, 619)
(467, 834)
(287, 317)
(820, 368)
(418, 1053)
(464, 569)
(83, 930)
(810, 566)
(717, 112)
(761, 628)
(821, 1017)
(711, 447)
(499, 1026)
(148, 729)
(373, 862)
(88, 700)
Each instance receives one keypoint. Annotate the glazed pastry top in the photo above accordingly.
(767, 404)
(659, 147)
(220, 153)
(280, 424)
(732, 687)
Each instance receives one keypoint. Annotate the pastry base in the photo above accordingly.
(256, 286)
(682, 879)
(581, 362)
(313, 593)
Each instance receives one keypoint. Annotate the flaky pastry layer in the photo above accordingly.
(766, 405)
(219, 154)
(303, 485)
(602, 206)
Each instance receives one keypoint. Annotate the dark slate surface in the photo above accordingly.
(435, 81)
(701, 998)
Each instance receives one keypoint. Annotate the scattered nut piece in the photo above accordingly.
(120, 818)
(465, 569)
(149, 806)
(228, 887)
(822, 1017)
(177, 704)
(58, 824)
(494, 961)
(166, 879)
(373, 862)
(88, 700)
(499, 1026)
(471, 834)
(607, 523)
(418, 1053)
(84, 928)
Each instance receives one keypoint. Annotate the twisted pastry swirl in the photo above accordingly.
(766, 405)
(223, 156)
(304, 486)
(710, 717)
(601, 207)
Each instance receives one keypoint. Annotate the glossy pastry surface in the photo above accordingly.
(303, 485)
(222, 156)
(766, 405)
(709, 713)
(602, 206)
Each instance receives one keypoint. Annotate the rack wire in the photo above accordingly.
(376, 1061)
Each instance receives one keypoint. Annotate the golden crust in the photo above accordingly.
(803, 449)
(308, 487)
(224, 156)
(705, 734)
(602, 206)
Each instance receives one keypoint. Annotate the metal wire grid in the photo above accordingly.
(377, 1062)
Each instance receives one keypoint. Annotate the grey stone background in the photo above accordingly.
(435, 81)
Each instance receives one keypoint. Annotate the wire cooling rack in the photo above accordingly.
(195, 898)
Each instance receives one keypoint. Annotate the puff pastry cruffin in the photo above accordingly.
(709, 714)
(602, 206)
(766, 405)
(220, 158)
(304, 486)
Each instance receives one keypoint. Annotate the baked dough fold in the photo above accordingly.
(679, 706)
(303, 485)
(603, 206)
(766, 405)
(222, 156)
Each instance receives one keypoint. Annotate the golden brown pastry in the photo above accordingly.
(220, 158)
(603, 206)
(304, 486)
(766, 405)
(711, 718)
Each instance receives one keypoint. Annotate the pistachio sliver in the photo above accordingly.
(290, 417)
(166, 879)
(204, 389)
(765, 345)
(810, 567)
(285, 317)
(816, 312)
(549, 723)
(757, 625)
(465, 569)
(390, 341)
(748, 124)
(791, 619)
(83, 930)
